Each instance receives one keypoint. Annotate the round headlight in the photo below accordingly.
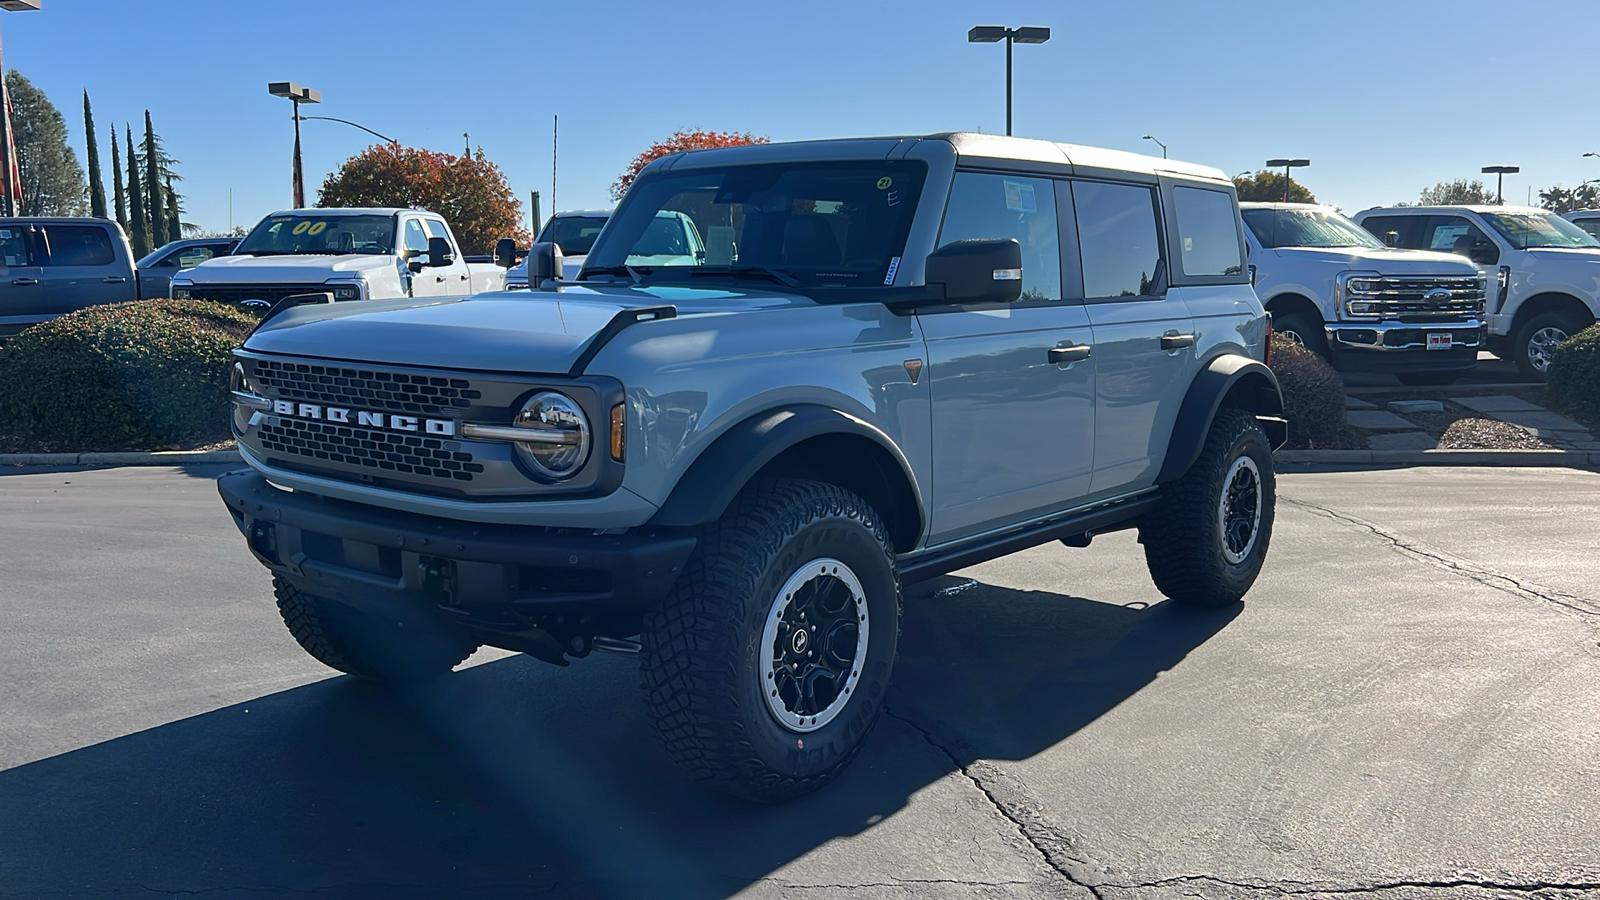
(558, 435)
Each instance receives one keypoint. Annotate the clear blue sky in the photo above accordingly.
(1385, 97)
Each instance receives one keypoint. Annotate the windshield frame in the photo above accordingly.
(1495, 220)
(264, 227)
(1322, 216)
(658, 193)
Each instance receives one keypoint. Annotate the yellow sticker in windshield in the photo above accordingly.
(301, 227)
(317, 228)
(309, 227)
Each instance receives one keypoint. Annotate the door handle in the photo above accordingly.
(115, 279)
(438, 278)
(1174, 341)
(464, 277)
(1061, 356)
(25, 281)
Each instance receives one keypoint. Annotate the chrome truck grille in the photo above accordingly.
(1415, 298)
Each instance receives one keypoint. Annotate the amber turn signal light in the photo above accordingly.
(619, 433)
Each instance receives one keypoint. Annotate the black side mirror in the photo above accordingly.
(505, 253)
(439, 252)
(977, 271)
(544, 263)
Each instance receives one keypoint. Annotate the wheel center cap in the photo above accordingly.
(800, 641)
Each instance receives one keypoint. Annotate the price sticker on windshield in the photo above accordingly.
(309, 227)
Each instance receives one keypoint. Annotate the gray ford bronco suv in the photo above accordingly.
(878, 361)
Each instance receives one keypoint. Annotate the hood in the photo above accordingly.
(284, 269)
(1559, 255)
(1384, 260)
(527, 332)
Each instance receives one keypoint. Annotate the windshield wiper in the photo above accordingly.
(777, 275)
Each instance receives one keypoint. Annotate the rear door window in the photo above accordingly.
(1407, 229)
(79, 245)
(1119, 240)
(1208, 233)
(986, 206)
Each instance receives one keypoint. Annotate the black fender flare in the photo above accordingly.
(1248, 384)
(717, 475)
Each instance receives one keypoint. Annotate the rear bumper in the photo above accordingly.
(496, 580)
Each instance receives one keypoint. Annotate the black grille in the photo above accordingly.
(410, 454)
(238, 293)
(370, 389)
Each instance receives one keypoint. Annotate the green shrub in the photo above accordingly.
(1313, 396)
(125, 376)
(1575, 376)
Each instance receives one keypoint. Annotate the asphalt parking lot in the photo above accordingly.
(1404, 706)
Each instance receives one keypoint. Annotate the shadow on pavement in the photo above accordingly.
(513, 778)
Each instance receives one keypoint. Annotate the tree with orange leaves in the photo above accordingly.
(679, 142)
(469, 191)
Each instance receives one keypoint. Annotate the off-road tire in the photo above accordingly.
(1561, 321)
(343, 638)
(701, 664)
(1307, 328)
(1183, 537)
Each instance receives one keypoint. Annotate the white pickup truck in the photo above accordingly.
(354, 254)
(1546, 270)
(1365, 307)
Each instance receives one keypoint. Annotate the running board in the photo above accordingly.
(1111, 517)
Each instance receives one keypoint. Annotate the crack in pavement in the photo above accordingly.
(1302, 888)
(1466, 568)
(1025, 814)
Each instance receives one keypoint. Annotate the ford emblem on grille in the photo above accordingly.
(1438, 295)
(364, 419)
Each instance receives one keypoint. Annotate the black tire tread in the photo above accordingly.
(332, 640)
(1177, 538)
(689, 664)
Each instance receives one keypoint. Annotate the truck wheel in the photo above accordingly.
(1427, 378)
(766, 668)
(1205, 544)
(353, 642)
(1535, 343)
(1302, 329)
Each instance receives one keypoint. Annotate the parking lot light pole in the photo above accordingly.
(993, 34)
(383, 137)
(1287, 164)
(1158, 143)
(1500, 173)
(297, 95)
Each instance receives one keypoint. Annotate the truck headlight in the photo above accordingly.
(557, 442)
(246, 402)
(345, 290)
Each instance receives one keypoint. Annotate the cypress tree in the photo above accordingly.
(97, 185)
(174, 220)
(152, 182)
(116, 183)
(140, 233)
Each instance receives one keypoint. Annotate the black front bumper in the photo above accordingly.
(498, 581)
(1361, 359)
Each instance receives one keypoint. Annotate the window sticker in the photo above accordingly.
(5, 233)
(317, 228)
(894, 265)
(1020, 197)
(1444, 237)
(1188, 245)
(885, 183)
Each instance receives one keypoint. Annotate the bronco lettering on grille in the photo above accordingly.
(365, 419)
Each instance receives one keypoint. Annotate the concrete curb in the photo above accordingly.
(127, 458)
(1575, 459)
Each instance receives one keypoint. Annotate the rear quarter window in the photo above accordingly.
(1208, 232)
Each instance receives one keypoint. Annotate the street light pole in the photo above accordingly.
(992, 34)
(1158, 143)
(297, 95)
(1287, 165)
(383, 137)
(1500, 173)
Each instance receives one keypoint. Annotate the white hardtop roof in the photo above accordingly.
(996, 146)
(1260, 204)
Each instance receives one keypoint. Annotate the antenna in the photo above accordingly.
(555, 140)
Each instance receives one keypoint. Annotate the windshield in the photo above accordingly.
(1305, 228)
(823, 224)
(573, 234)
(1535, 230)
(280, 235)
